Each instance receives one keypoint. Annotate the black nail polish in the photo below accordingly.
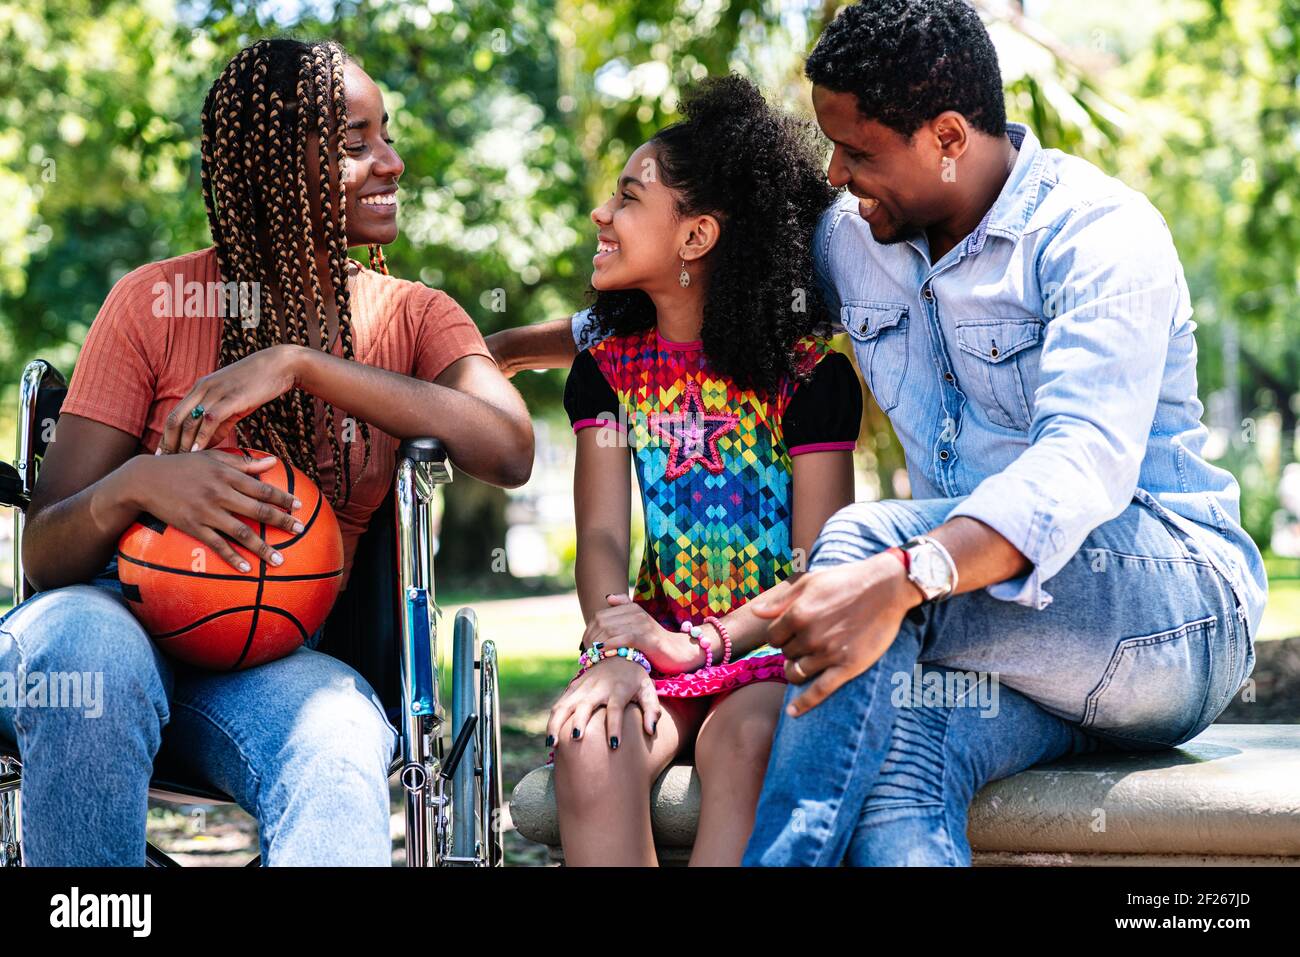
(654, 728)
(550, 740)
(577, 733)
(613, 743)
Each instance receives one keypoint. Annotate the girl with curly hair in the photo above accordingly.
(740, 426)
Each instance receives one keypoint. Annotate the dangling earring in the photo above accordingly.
(377, 259)
(685, 277)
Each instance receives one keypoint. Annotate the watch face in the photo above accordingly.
(929, 570)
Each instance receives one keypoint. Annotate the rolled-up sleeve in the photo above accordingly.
(1114, 288)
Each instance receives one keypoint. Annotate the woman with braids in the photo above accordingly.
(740, 426)
(317, 360)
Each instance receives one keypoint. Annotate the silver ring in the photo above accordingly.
(799, 668)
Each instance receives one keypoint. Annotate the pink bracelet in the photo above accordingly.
(726, 638)
(697, 633)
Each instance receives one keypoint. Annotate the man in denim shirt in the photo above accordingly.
(1071, 573)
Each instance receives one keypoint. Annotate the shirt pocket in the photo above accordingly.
(999, 367)
(879, 332)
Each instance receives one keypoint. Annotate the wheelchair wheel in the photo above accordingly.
(464, 702)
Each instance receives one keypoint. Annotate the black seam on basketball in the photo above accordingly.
(152, 522)
(306, 526)
(257, 604)
(216, 576)
(272, 609)
(293, 539)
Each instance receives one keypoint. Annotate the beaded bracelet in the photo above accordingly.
(590, 659)
(596, 653)
(594, 656)
(726, 638)
(697, 634)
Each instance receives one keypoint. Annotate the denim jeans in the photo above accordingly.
(301, 743)
(1143, 647)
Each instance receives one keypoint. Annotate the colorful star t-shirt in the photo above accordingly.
(713, 461)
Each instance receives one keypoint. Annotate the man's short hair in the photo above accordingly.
(907, 61)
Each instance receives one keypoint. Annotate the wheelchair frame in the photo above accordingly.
(434, 778)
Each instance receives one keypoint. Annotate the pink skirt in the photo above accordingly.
(722, 678)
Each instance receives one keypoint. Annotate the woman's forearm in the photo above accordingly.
(71, 540)
(489, 441)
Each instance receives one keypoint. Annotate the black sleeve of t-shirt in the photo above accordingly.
(587, 394)
(826, 407)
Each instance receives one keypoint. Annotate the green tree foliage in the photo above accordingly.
(1218, 151)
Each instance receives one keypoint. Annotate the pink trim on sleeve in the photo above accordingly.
(597, 423)
(823, 447)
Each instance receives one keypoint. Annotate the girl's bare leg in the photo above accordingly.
(603, 795)
(731, 754)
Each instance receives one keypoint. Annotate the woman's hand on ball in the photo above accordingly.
(204, 495)
(226, 396)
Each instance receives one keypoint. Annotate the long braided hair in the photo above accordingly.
(256, 121)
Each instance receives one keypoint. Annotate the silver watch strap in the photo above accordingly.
(947, 559)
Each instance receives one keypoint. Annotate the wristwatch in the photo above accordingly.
(929, 567)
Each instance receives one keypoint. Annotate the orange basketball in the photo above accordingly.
(201, 610)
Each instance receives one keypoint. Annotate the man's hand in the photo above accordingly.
(835, 623)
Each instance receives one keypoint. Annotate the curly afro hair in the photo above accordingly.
(907, 61)
(760, 172)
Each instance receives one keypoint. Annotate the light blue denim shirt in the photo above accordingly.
(1045, 367)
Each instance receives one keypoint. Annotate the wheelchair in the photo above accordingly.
(450, 772)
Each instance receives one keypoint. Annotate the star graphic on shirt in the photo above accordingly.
(692, 434)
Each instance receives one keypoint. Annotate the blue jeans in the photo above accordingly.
(301, 743)
(1143, 647)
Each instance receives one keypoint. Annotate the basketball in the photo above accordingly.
(202, 611)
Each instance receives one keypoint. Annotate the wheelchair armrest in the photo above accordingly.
(11, 487)
(425, 449)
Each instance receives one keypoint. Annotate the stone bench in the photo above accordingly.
(1231, 795)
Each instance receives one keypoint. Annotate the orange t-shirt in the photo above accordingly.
(146, 349)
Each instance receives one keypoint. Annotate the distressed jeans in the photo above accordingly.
(301, 743)
(1143, 647)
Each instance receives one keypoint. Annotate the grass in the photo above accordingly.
(1282, 614)
(525, 628)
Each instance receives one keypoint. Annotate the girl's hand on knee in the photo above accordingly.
(612, 684)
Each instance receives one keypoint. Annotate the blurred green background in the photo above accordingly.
(512, 118)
